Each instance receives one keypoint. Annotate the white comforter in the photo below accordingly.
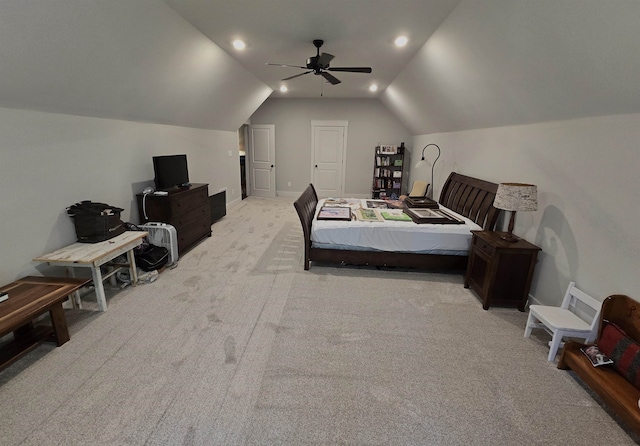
(398, 236)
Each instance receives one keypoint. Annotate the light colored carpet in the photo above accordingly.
(239, 345)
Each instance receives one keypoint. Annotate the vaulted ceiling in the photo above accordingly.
(468, 64)
(357, 32)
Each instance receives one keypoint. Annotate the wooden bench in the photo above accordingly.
(617, 393)
(29, 298)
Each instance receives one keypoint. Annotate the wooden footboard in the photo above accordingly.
(468, 196)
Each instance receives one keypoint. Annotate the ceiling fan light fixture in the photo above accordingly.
(373, 88)
(239, 44)
(283, 88)
(401, 41)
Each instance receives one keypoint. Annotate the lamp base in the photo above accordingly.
(509, 237)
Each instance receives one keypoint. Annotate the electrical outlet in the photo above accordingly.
(230, 153)
(289, 184)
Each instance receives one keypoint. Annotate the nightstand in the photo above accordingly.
(500, 272)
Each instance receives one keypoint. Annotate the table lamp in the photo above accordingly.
(515, 197)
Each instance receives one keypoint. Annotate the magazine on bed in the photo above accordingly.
(421, 202)
(368, 215)
(334, 213)
(435, 216)
(596, 357)
(395, 215)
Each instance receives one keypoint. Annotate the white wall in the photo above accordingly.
(587, 173)
(369, 122)
(51, 161)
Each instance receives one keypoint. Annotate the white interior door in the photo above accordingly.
(329, 147)
(262, 160)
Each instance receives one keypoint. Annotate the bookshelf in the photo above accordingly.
(390, 171)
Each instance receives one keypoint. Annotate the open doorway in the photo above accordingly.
(242, 138)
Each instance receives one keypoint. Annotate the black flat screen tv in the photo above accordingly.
(170, 171)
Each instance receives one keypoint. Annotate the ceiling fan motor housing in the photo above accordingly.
(312, 63)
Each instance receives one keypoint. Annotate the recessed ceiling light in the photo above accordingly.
(283, 88)
(373, 87)
(401, 41)
(239, 44)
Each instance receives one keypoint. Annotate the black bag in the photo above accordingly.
(96, 222)
(151, 257)
(148, 257)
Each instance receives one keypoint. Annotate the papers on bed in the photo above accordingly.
(392, 235)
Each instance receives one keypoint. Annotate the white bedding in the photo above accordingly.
(397, 236)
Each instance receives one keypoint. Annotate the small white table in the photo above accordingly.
(93, 255)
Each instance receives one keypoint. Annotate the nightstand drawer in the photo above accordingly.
(483, 246)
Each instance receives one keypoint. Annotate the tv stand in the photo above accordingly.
(185, 208)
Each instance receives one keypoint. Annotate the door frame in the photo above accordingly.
(330, 123)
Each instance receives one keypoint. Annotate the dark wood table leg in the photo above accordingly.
(59, 324)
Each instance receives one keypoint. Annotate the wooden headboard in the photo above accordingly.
(472, 198)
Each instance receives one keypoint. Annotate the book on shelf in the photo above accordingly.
(388, 149)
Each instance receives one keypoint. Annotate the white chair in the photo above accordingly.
(568, 320)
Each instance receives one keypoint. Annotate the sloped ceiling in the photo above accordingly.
(505, 62)
(485, 63)
(122, 59)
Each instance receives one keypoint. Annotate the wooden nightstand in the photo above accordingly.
(500, 272)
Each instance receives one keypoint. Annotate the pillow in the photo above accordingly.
(623, 350)
(419, 189)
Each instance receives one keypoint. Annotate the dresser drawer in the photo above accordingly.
(483, 246)
(188, 200)
(191, 216)
(192, 233)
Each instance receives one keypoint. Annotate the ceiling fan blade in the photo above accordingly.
(297, 75)
(332, 80)
(285, 65)
(351, 69)
(324, 59)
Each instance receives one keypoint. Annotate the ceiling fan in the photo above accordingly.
(319, 65)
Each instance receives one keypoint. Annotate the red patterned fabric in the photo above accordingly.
(623, 350)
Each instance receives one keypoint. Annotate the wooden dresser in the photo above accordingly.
(185, 208)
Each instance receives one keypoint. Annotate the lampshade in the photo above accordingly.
(516, 197)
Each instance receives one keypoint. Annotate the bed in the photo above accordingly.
(468, 197)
